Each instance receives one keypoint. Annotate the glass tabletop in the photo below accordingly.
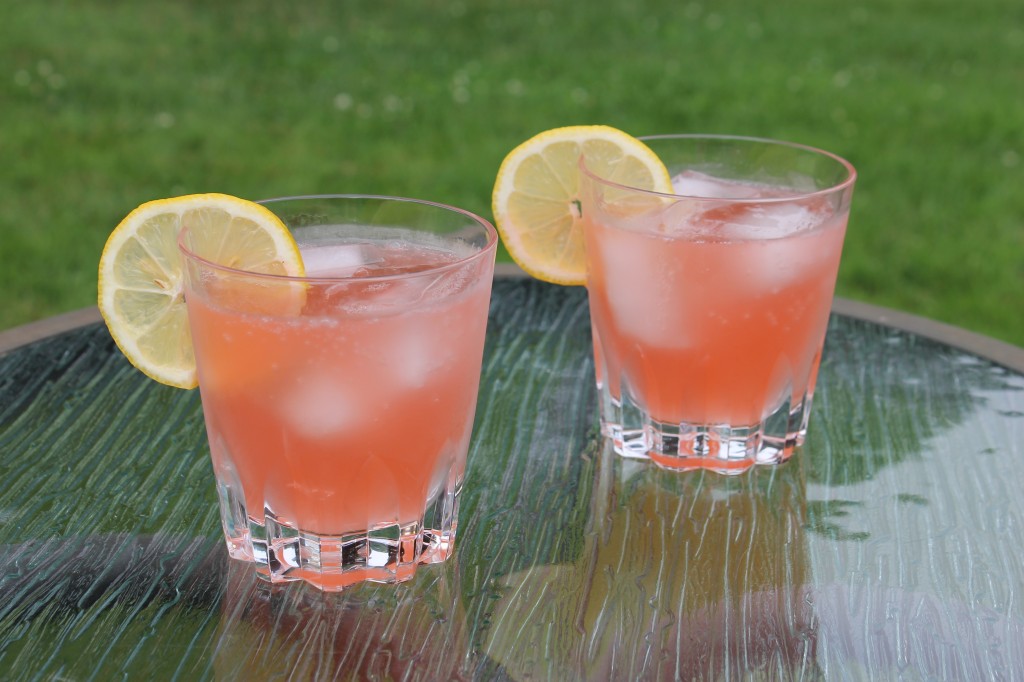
(889, 547)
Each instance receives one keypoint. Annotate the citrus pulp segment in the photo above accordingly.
(536, 198)
(141, 272)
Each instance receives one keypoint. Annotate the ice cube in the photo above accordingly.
(784, 248)
(375, 297)
(693, 183)
(319, 405)
(681, 219)
(418, 351)
(398, 293)
(769, 220)
(642, 283)
(339, 260)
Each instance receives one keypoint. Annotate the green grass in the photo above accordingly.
(108, 104)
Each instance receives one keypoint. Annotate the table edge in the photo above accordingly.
(30, 332)
(1000, 352)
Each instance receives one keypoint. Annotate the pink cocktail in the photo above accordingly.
(709, 306)
(339, 406)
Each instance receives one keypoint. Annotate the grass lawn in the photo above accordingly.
(107, 104)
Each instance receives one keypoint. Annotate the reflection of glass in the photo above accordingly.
(268, 633)
(709, 306)
(339, 406)
(678, 577)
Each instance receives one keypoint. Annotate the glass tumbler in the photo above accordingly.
(709, 305)
(339, 405)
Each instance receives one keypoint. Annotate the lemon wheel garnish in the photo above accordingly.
(141, 278)
(536, 195)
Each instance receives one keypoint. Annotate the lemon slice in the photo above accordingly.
(141, 279)
(536, 194)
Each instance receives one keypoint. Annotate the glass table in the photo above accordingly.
(889, 547)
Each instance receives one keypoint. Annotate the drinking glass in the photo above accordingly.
(339, 405)
(709, 306)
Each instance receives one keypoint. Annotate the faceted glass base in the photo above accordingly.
(725, 448)
(385, 553)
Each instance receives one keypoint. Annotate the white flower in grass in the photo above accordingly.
(460, 86)
(164, 119)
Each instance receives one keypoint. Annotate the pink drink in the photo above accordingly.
(709, 312)
(341, 409)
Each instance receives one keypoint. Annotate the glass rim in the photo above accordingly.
(846, 183)
(489, 229)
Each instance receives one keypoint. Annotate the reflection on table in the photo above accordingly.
(888, 546)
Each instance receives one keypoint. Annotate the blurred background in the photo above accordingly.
(106, 104)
